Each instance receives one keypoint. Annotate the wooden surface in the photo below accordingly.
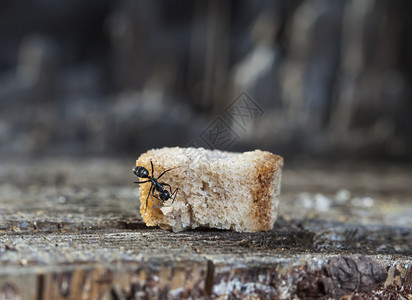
(70, 229)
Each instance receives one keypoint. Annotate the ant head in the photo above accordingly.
(164, 195)
(141, 172)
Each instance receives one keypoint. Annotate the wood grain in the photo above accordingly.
(70, 229)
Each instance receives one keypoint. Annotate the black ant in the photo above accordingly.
(164, 194)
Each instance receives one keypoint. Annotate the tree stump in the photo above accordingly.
(70, 229)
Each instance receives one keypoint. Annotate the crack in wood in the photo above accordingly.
(209, 279)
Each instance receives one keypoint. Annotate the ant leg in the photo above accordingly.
(160, 200)
(147, 198)
(153, 194)
(151, 163)
(138, 182)
(167, 171)
(174, 193)
(158, 204)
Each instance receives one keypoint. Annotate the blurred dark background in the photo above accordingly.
(328, 79)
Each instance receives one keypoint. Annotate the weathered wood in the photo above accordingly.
(18, 284)
(71, 230)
